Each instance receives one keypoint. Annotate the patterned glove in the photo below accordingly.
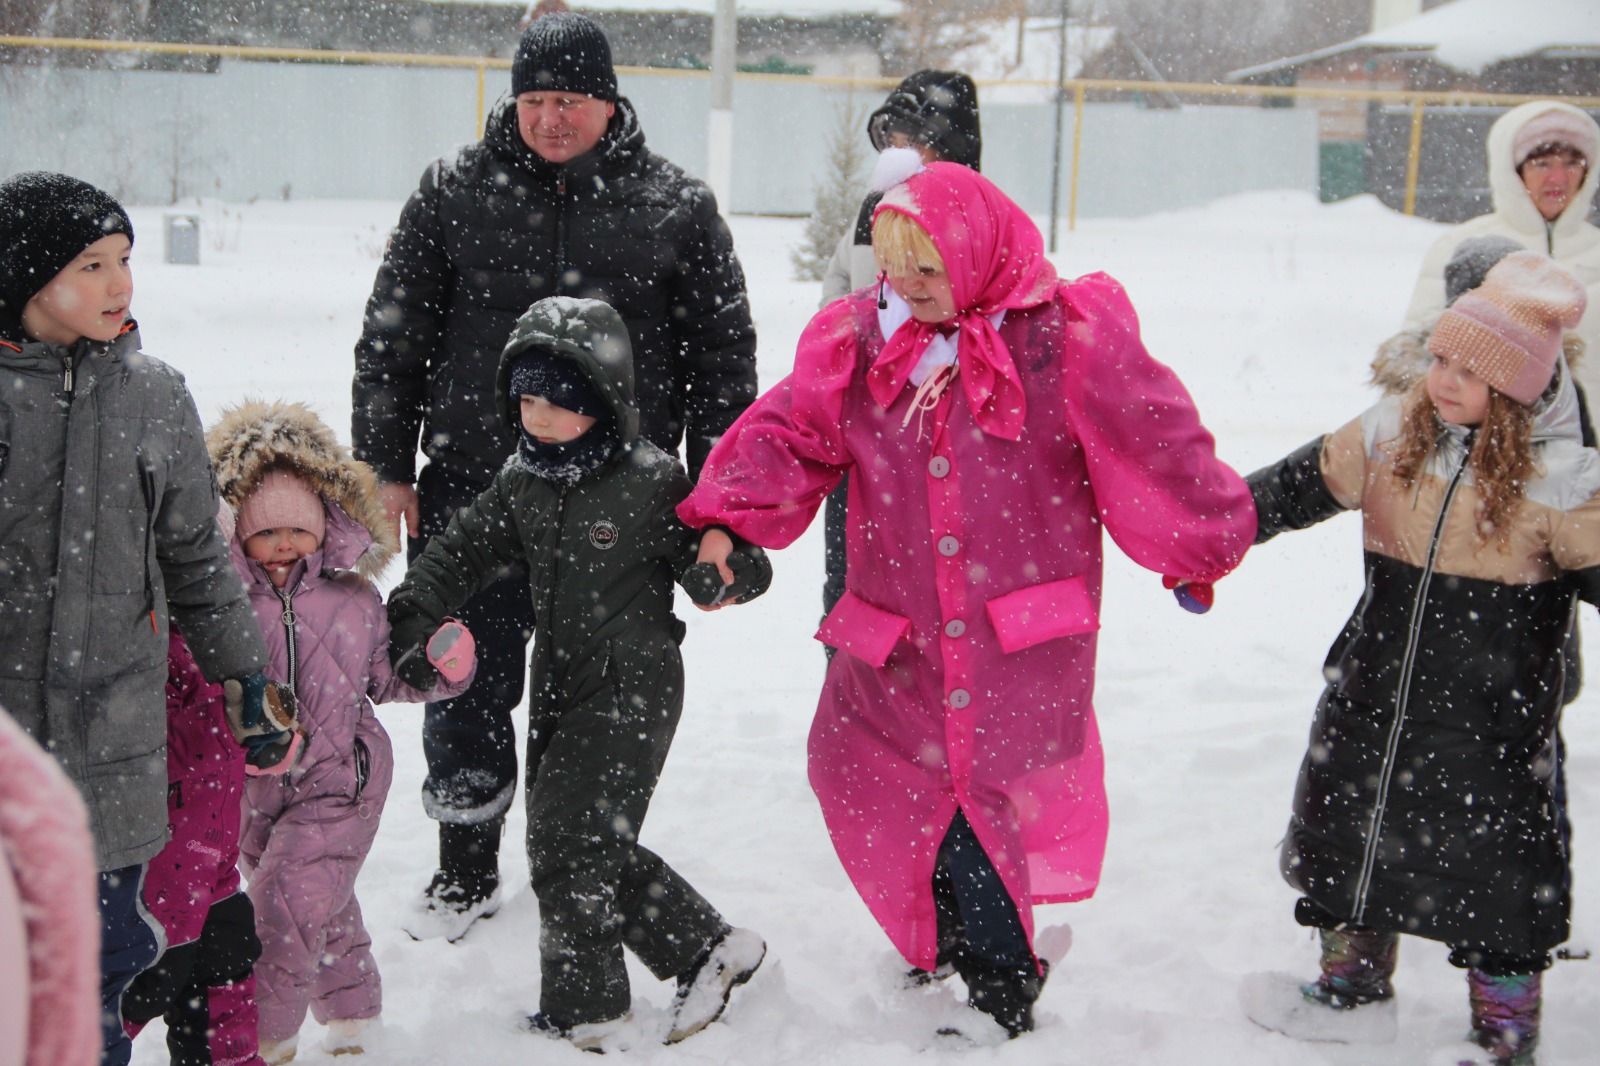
(264, 718)
(1195, 597)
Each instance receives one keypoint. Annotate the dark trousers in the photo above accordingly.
(979, 927)
(469, 742)
(205, 989)
(128, 945)
(835, 517)
(596, 747)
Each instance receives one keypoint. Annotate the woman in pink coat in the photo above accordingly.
(992, 419)
(311, 534)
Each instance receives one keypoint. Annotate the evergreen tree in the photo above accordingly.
(839, 194)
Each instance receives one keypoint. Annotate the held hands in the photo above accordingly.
(1193, 596)
(450, 653)
(724, 574)
(264, 718)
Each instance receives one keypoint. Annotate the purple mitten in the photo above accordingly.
(1195, 597)
(452, 651)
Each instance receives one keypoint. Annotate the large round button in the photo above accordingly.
(955, 628)
(960, 698)
(948, 546)
(938, 466)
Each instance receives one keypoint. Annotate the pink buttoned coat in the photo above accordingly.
(967, 631)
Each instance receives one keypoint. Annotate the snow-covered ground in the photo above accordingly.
(1269, 306)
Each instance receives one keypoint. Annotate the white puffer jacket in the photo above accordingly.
(1570, 240)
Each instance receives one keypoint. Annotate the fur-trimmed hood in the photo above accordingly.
(258, 435)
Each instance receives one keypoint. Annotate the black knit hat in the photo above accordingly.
(564, 53)
(538, 372)
(46, 220)
(938, 108)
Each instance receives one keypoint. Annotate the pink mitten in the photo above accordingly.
(452, 651)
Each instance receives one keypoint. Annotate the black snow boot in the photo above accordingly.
(1006, 995)
(466, 886)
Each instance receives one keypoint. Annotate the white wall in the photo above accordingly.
(269, 130)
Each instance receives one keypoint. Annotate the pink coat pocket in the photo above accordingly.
(1039, 613)
(867, 632)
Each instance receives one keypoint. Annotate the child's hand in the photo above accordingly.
(452, 651)
(271, 754)
(1195, 597)
(724, 574)
(256, 706)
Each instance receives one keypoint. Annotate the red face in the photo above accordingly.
(562, 126)
(1460, 395)
(1553, 179)
(89, 298)
(550, 424)
(927, 290)
(277, 550)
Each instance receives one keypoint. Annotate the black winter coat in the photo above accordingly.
(1426, 801)
(496, 228)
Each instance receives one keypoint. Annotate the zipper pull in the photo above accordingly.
(66, 374)
(561, 182)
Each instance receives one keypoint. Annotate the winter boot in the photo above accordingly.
(466, 886)
(278, 1052)
(1005, 995)
(704, 988)
(1357, 965)
(1351, 1002)
(349, 1036)
(598, 1037)
(1505, 1015)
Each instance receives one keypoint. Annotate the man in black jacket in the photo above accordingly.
(561, 197)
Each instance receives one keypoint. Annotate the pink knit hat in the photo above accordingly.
(282, 500)
(1508, 330)
(1553, 127)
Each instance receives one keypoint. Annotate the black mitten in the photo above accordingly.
(752, 573)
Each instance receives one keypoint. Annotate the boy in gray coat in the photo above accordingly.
(108, 535)
(590, 506)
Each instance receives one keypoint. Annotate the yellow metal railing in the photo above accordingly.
(1417, 101)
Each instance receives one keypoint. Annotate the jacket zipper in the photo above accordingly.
(561, 229)
(147, 483)
(555, 561)
(1408, 663)
(66, 374)
(288, 618)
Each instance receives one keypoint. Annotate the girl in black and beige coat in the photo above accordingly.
(1426, 800)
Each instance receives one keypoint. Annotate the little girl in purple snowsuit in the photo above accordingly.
(311, 534)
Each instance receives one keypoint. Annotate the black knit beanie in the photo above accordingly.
(46, 220)
(558, 379)
(564, 53)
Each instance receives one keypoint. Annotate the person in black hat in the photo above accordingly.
(561, 197)
(107, 517)
(935, 112)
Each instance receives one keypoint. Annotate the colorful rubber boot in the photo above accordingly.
(1505, 1015)
(1357, 965)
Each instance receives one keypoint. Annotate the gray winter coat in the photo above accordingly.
(107, 534)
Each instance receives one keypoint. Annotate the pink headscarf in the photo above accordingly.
(994, 256)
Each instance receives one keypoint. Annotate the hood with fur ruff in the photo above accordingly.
(258, 435)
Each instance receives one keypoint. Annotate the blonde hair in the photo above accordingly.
(1502, 456)
(901, 246)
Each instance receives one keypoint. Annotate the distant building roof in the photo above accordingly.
(1471, 35)
(792, 8)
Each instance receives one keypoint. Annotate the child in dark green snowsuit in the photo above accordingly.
(589, 506)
